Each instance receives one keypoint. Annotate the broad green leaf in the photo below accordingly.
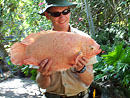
(126, 57)
(114, 56)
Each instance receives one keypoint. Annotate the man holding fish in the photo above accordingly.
(74, 82)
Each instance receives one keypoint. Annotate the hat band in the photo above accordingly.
(56, 1)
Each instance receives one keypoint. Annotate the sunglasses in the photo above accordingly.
(57, 14)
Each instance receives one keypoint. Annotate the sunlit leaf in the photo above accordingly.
(114, 56)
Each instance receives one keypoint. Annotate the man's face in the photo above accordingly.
(59, 23)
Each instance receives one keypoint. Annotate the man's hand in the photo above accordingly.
(44, 67)
(80, 61)
(43, 76)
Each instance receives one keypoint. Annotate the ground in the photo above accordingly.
(20, 88)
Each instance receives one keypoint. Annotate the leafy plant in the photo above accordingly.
(29, 72)
(114, 66)
(33, 74)
(25, 69)
(119, 54)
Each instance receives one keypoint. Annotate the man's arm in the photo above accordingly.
(87, 76)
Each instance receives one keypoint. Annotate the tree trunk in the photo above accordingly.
(90, 20)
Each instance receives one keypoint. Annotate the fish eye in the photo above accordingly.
(91, 47)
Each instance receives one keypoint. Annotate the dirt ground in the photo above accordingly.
(20, 88)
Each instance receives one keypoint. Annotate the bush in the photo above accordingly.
(114, 66)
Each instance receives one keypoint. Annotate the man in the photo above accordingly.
(74, 82)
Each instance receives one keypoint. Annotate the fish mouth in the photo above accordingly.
(98, 49)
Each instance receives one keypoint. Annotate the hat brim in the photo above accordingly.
(72, 5)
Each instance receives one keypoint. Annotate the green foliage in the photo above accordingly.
(25, 69)
(19, 18)
(29, 72)
(115, 66)
(34, 74)
(114, 56)
(119, 54)
(13, 68)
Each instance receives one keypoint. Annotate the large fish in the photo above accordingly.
(61, 47)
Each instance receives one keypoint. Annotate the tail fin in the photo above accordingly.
(17, 53)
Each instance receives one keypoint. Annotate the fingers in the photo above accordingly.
(81, 63)
(83, 60)
(78, 57)
(79, 66)
(43, 63)
(44, 67)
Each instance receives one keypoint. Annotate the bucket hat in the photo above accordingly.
(56, 3)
